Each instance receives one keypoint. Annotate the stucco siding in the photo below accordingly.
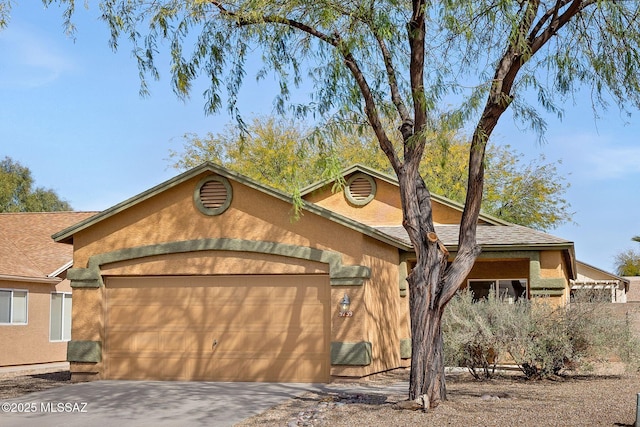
(253, 220)
(24, 344)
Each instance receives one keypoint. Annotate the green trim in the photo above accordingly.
(349, 196)
(403, 272)
(198, 201)
(339, 274)
(547, 292)
(351, 353)
(84, 351)
(405, 348)
(538, 286)
(394, 181)
(66, 235)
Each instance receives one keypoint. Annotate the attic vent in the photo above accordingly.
(360, 189)
(213, 195)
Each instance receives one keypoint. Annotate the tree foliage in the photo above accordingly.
(18, 195)
(627, 263)
(282, 154)
(372, 59)
(274, 152)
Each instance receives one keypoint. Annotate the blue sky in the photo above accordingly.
(71, 112)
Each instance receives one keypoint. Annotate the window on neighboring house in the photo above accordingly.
(13, 307)
(60, 317)
(509, 289)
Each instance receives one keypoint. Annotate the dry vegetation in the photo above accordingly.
(605, 398)
(509, 400)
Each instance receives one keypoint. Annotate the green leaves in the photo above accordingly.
(627, 263)
(18, 195)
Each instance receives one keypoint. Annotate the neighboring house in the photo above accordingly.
(609, 286)
(35, 297)
(208, 276)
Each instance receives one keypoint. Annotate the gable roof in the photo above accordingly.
(27, 251)
(585, 274)
(394, 181)
(66, 235)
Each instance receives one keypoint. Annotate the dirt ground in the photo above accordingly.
(577, 400)
(15, 386)
(510, 400)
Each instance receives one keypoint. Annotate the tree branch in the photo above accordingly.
(407, 122)
(536, 42)
(413, 149)
(349, 60)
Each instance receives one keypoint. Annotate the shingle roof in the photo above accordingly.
(26, 247)
(487, 235)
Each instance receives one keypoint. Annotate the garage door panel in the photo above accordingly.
(233, 328)
(122, 367)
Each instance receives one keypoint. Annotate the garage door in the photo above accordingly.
(218, 328)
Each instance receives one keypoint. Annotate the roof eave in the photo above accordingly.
(48, 280)
(61, 269)
(393, 181)
(67, 234)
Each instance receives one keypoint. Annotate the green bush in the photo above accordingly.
(541, 340)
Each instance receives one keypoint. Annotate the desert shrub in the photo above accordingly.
(540, 339)
(477, 334)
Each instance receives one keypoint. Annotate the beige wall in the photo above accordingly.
(29, 344)
(499, 269)
(380, 314)
(384, 210)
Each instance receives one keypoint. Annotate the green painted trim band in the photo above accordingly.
(351, 353)
(84, 351)
(403, 285)
(537, 283)
(339, 274)
(405, 348)
(547, 292)
(553, 283)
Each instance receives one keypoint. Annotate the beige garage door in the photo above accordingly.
(218, 328)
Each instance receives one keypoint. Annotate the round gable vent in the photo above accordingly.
(213, 195)
(360, 189)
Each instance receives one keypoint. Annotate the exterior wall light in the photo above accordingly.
(345, 305)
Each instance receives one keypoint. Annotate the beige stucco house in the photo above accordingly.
(209, 276)
(35, 296)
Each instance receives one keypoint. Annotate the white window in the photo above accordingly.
(508, 289)
(60, 317)
(13, 307)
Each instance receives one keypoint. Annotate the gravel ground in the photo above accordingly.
(509, 400)
(16, 386)
(579, 400)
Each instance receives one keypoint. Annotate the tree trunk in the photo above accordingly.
(427, 358)
(432, 284)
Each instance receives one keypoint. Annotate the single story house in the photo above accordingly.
(208, 276)
(35, 296)
(593, 279)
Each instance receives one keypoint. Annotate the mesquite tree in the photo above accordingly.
(403, 60)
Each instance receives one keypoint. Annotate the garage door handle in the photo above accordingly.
(215, 343)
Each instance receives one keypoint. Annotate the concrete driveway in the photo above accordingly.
(147, 403)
